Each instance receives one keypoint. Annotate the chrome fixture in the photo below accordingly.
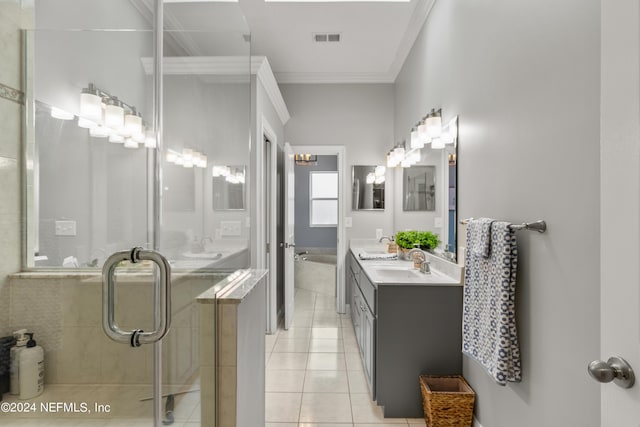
(390, 239)
(424, 264)
(615, 369)
(162, 294)
(540, 226)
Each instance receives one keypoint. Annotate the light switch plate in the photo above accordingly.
(348, 222)
(230, 228)
(66, 228)
(378, 233)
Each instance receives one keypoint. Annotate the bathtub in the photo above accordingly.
(315, 270)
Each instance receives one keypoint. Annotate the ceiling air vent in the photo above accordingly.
(326, 37)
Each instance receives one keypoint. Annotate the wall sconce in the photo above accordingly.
(107, 116)
(400, 156)
(188, 158)
(230, 174)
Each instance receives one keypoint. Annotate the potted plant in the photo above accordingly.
(407, 240)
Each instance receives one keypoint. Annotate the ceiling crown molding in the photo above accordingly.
(418, 18)
(238, 66)
(333, 78)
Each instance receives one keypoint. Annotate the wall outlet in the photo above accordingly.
(348, 222)
(378, 233)
(230, 228)
(66, 228)
(437, 222)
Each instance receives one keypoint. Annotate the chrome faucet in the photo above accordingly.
(424, 264)
(390, 239)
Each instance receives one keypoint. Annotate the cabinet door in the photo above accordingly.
(368, 346)
(356, 314)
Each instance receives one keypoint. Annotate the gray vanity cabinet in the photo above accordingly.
(404, 331)
(363, 319)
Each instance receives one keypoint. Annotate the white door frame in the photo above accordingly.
(272, 280)
(619, 205)
(341, 250)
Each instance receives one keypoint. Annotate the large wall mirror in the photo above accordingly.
(429, 191)
(229, 188)
(419, 188)
(368, 187)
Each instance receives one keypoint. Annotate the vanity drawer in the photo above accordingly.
(368, 292)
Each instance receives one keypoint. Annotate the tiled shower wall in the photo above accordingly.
(65, 312)
(13, 17)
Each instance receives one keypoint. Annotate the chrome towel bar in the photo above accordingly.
(539, 226)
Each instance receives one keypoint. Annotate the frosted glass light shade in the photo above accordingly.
(379, 180)
(416, 141)
(380, 170)
(437, 143)
(114, 116)
(99, 132)
(434, 124)
(371, 177)
(133, 124)
(116, 138)
(130, 143)
(91, 106)
(87, 124)
(58, 113)
(150, 141)
(187, 156)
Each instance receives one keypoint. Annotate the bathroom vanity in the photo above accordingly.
(406, 324)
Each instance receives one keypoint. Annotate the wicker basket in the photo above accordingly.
(447, 401)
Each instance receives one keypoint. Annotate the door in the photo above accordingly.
(289, 216)
(620, 214)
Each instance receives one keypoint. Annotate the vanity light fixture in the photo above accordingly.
(416, 140)
(437, 143)
(130, 143)
(116, 139)
(91, 104)
(371, 178)
(434, 123)
(188, 158)
(58, 113)
(114, 114)
(106, 115)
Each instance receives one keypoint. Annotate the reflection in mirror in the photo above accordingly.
(228, 188)
(368, 187)
(419, 188)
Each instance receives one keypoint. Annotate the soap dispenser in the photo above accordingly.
(14, 376)
(31, 369)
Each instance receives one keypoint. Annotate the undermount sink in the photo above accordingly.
(393, 273)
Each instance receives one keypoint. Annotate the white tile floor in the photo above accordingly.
(314, 372)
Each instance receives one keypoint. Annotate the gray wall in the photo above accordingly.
(306, 236)
(357, 116)
(524, 78)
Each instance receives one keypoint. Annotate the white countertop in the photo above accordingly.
(400, 272)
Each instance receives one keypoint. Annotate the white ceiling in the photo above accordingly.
(376, 37)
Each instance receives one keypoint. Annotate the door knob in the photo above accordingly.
(615, 369)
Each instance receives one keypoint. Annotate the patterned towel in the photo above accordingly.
(488, 317)
(479, 236)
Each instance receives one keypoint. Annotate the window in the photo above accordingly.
(323, 195)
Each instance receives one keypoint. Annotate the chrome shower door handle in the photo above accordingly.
(162, 295)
